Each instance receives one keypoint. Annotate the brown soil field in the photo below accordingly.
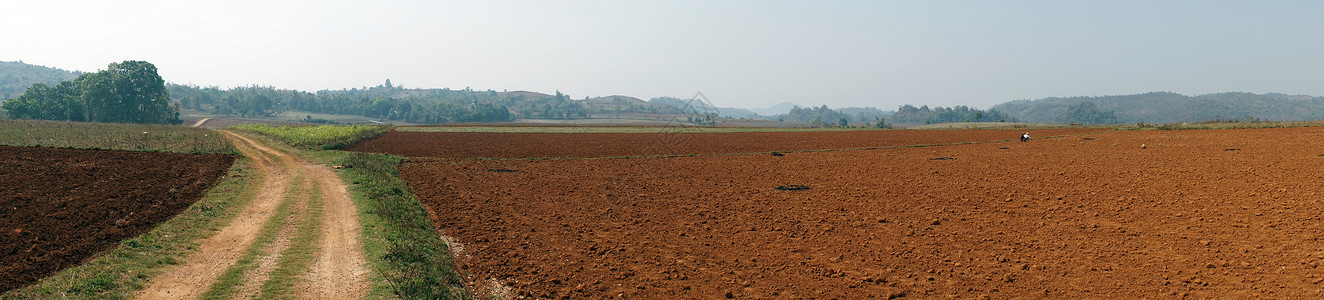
(670, 141)
(1123, 214)
(61, 206)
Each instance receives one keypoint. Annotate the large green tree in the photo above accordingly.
(126, 92)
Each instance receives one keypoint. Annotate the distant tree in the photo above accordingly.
(842, 122)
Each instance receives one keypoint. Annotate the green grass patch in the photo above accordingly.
(409, 259)
(113, 136)
(117, 273)
(608, 129)
(317, 137)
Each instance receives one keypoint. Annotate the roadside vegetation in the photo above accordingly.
(402, 243)
(113, 136)
(323, 137)
(409, 260)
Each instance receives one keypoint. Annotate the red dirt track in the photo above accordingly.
(1199, 213)
(61, 206)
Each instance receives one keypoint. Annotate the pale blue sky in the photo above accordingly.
(738, 53)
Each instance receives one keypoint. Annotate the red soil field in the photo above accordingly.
(59, 207)
(1123, 214)
(669, 141)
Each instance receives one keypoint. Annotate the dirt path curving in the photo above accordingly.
(200, 122)
(339, 270)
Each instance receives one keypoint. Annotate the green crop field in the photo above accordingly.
(317, 137)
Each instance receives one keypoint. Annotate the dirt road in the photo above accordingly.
(200, 122)
(339, 270)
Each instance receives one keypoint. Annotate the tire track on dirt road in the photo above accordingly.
(339, 270)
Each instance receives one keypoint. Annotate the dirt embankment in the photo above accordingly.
(1214, 213)
(59, 207)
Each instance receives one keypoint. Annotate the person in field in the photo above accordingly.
(1025, 137)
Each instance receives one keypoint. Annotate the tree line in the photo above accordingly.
(384, 102)
(126, 92)
(910, 114)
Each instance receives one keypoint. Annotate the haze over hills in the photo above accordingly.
(442, 105)
(1166, 107)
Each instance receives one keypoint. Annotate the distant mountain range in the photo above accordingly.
(1167, 107)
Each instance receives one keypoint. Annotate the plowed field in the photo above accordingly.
(666, 141)
(61, 206)
(1124, 214)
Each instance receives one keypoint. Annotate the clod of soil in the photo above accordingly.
(502, 170)
(794, 187)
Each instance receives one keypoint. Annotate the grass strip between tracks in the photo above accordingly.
(296, 259)
(117, 273)
(228, 284)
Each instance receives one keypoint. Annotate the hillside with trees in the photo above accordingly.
(126, 92)
(16, 77)
(1166, 107)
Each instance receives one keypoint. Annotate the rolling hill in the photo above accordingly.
(16, 77)
(1167, 107)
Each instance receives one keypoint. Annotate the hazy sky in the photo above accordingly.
(738, 53)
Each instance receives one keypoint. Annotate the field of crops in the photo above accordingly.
(131, 137)
(1118, 214)
(316, 137)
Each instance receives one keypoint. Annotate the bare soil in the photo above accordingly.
(668, 141)
(59, 207)
(1207, 213)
